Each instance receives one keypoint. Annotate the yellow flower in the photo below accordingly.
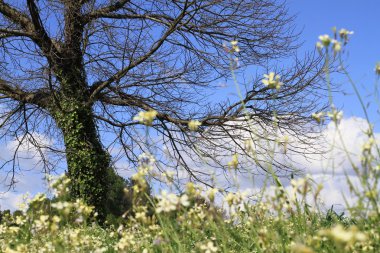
(272, 81)
(194, 124)
(146, 118)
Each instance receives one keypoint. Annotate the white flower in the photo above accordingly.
(146, 118)
(335, 115)
(325, 40)
(319, 45)
(194, 124)
(272, 81)
(343, 33)
(184, 200)
(319, 117)
(235, 47)
(336, 45)
(234, 42)
(170, 202)
(209, 247)
(349, 236)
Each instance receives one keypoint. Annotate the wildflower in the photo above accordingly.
(235, 198)
(193, 190)
(209, 247)
(343, 33)
(126, 242)
(211, 193)
(194, 124)
(234, 162)
(377, 68)
(272, 81)
(170, 202)
(336, 45)
(300, 248)
(340, 235)
(146, 118)
(234, 42)
(335, 115)
(366, 148)
(184, 200)
(318, 117)
(230, 198)
(319, 45)
(300, 185)
(235, 47)
(325, 40)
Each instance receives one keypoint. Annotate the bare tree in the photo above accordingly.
(86, 67)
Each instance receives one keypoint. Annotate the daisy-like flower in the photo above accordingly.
(193, 125)
(272, 81)
(146, 118)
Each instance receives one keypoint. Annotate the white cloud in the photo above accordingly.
(333, 168)
(28, 176)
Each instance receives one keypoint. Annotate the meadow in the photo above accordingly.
(204, 219)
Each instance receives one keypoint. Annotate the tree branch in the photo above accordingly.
(43, 39)
(100, 86)
(38, 97)
(14, 15)
(105, 10)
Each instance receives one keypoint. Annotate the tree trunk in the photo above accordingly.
(88, 162)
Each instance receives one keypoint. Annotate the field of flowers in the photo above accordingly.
(209, 219)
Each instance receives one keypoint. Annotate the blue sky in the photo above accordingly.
(363, 51)
(313, 18)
